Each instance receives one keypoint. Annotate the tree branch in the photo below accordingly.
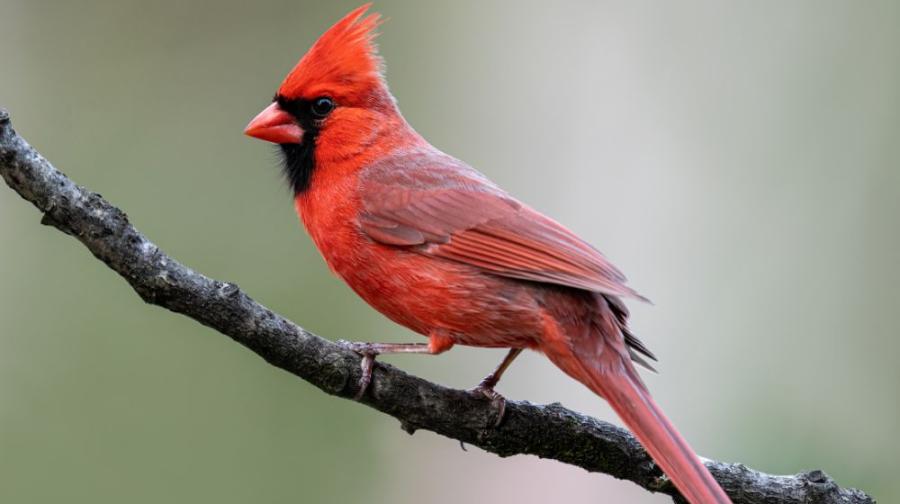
(550, 431)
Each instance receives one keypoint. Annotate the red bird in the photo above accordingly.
(437, 247)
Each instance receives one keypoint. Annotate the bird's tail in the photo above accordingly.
(610, 374)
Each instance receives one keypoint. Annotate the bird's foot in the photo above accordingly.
(368, 351)
(486, 389)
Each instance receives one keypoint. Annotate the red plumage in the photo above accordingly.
(439, 248)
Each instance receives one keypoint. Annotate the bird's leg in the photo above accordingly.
(437, 344)
(490, 381)
(370, 350)
(486, 387)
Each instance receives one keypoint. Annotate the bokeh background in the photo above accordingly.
(740, 161)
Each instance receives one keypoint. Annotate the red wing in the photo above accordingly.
(451, 211)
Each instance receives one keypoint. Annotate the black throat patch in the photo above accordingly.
(299, 160)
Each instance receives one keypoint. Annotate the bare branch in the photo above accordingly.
(550, 431)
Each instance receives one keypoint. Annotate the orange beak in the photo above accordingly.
(275, 125)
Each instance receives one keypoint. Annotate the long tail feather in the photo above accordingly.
(622, 388)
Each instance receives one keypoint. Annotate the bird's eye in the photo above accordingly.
(321, 107)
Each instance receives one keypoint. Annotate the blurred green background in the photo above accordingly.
(740, 161)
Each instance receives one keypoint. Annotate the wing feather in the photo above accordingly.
(443, 208)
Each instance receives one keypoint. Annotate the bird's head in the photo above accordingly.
(333, 100)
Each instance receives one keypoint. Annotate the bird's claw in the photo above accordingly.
(368, 353)
(497, 400)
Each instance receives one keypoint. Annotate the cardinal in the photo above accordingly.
(437, 247)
